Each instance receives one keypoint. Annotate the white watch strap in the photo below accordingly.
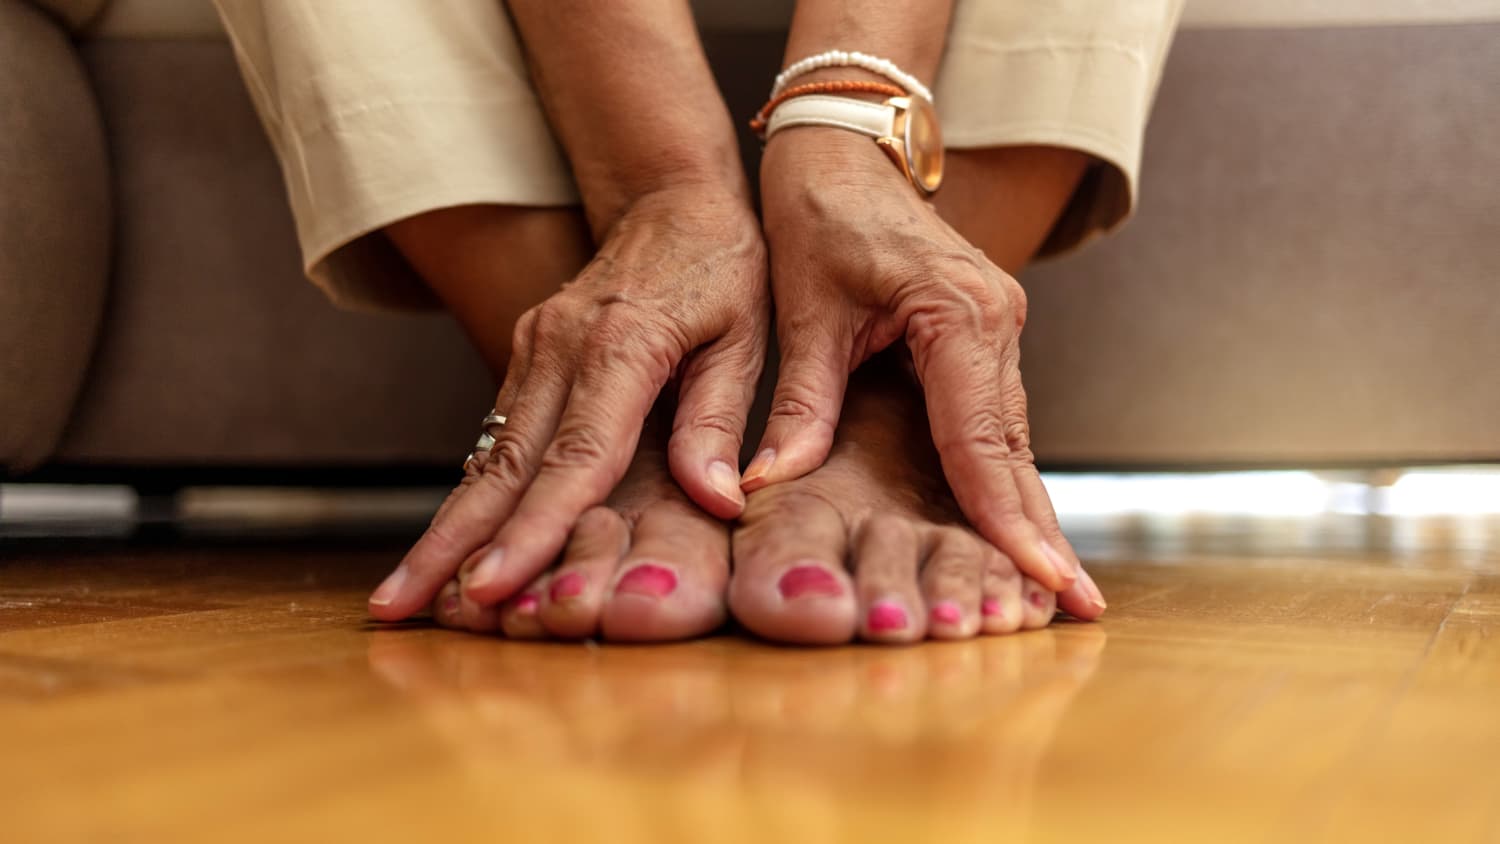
(874, 119)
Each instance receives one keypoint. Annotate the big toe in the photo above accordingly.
(671, 583)
(789, 582)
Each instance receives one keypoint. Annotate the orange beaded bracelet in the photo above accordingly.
(842, 86)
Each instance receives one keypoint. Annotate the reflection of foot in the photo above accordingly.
(649, 566)
(746, 737)
(880, 503)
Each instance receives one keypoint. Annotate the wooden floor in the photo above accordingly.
(1258, 681)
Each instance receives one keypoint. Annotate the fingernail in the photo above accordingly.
(760, 466)
(389, 588)
(488, 571)
(992, 606)
(725, 481)
(568, 586)
(1091, 589)
(809, 580)
(1063, 568)
(654, 581)
(947, 612)
(527, 605)
(886, 615)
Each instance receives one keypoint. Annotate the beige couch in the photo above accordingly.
(1313, 276)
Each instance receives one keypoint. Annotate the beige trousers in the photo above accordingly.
(380, 111)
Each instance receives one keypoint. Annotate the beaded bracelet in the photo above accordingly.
(841, 86)
(845, 58)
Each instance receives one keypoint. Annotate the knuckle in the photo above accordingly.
(633, 348)
(525, 329)
(575, 447)
(999, 568)
(794, 404)
(507, 461)
(887, 530)
(711, 422)
(553, 322)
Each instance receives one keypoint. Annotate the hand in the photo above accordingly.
(678, 289)
(860, 261)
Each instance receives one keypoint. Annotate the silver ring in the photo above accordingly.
(491, 424)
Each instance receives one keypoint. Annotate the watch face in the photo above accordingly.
(924, 145)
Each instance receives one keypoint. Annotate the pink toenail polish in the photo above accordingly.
(886, 615)
(809, 580)
(568, 586)
(947, 613)
(992, 606)
(1037, 599)
(654, 581)
(527, 604)
(450, 605)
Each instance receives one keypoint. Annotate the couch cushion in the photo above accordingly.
(54, 231)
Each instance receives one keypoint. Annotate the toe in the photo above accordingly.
(520, 615)
(951, 583)
(1002, 609)
(789, 582)
(886, 555)
(451, 609)
(670, 585)
(1040, 604)
(571, 604)
(445, 607)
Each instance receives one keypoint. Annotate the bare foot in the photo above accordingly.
(871, 544)
(649, 565)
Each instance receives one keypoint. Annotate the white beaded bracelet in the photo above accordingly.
(844, 58)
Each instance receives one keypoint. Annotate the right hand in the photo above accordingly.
(678, 289)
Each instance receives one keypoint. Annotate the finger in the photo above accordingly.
(516, 372)
(595, 440)
(718, 387)
(1082, 599)
(805, 405)
(471, 519)
(978, 422)
(384, 603)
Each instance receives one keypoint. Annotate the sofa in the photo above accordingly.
(1312, 278)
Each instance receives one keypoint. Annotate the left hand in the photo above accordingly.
(860, 261)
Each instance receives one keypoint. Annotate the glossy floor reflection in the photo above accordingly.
(1245, 686)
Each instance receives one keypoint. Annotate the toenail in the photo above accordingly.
(809, 580)
(948, 613)
(527, 604)
(992, 606)
(887, 615)
(450, 605)
(1037, 599)
(650, 580)
(568, 586)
